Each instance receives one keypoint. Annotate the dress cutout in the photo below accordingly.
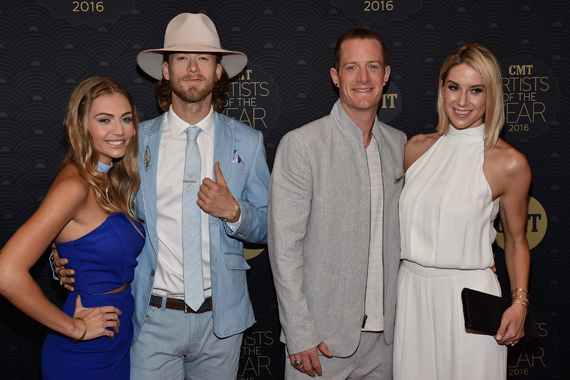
(104, 259)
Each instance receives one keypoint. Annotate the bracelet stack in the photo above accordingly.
(519, 298)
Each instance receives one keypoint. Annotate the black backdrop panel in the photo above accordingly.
(48, 46)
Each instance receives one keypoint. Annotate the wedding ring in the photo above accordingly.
(512, 344)
(61, 280)
(297, 363)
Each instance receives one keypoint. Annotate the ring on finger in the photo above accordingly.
(297, 363)
(61, 280)
(512, 344)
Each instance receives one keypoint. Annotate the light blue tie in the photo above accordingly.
(191, 225)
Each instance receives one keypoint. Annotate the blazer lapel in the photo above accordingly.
(149, 147)
(224, 146)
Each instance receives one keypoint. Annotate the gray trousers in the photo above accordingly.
(371, 361)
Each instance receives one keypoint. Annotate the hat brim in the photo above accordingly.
(150, 61)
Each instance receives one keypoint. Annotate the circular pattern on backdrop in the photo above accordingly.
(536, 226)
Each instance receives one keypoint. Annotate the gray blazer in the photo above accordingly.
(319, 226)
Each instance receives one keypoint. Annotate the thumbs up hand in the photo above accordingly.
(216, 199)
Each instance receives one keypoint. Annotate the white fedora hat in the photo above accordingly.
(191, 33)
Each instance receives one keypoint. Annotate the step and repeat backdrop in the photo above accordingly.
(48, 46)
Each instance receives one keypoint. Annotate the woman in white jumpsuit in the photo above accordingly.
(457, 181)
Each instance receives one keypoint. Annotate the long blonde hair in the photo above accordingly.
(481, 59)
(118, 193)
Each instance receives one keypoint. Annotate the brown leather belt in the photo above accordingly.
(176, 304)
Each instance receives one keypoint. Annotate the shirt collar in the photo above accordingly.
(348, 127)
(178, 126)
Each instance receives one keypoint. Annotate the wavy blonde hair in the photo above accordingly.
(116, 194)
(480, 58)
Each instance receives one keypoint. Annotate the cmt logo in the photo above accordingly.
(391, 103)
(536, 225)
(389, 100)
(520, 69)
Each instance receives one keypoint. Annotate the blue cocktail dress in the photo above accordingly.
(103, 260)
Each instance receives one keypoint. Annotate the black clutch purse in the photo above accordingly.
(482, 313)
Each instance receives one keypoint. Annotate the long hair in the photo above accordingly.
(118, 193)
(219, 93)
(480, 58)
(358, 34)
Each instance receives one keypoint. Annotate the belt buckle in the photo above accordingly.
(187, 308)
(155, 301)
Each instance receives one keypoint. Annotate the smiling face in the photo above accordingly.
(361, 75)
(111, 126)
(464, 97)
(192, 76)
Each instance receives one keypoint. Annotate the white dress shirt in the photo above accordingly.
(169, 276)
(374, 305)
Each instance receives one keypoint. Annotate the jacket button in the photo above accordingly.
(152, 273)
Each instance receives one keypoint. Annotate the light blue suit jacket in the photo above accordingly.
(248, 181)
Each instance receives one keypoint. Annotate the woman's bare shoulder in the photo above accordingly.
(417, 146)
(508, 160)
(69, 186)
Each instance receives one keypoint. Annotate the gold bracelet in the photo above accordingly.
(521, 297)
(236, 209)
(521, 302)
(84, 332)
(519, 290)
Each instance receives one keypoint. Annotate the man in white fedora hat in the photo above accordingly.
(191, 298)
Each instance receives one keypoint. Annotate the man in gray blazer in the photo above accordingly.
(333, 228)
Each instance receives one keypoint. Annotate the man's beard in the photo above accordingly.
(193, 94)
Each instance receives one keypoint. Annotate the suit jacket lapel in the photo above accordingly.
(224, 146)
(150, 147)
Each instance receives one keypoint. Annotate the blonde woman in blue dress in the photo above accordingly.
(457, 181)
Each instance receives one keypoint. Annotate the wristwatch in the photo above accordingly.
(236, 209)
